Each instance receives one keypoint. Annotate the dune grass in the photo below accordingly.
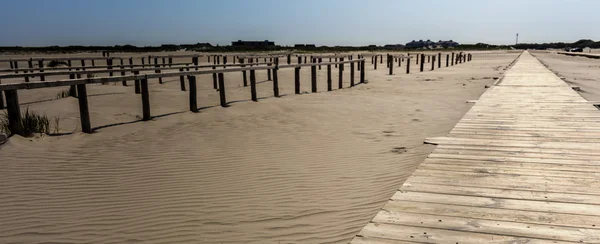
(31, 122)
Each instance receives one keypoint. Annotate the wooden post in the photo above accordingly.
(214, 76)
(352, 73)
(12, 66)
(222, 90)
(13, 112)
(417, 59)
(299, 60)
(182, 80)
(452, 60)
(320, 61)
(289, 57)
(93, 63)
(372, 59)
(109, 62)
(17, 67)
(193, 95)
(336, 65)
(268, 73)
(387, 60)
(143, 62)
(422, 61)
(137, 83)
(358, 65)
(41, 66)
(30, 63)
(400, 59)
(245, 79)
(208, 59)
(224, 60)
(84, 113)
(428, 58)
(275, 79)
(145, 100)
(375, 64)
(447, 59)
(253, 85)
(329, 88)
(313, 78)
(362, 71)
(439, 58)
(391, 64)
(1, 99)
(170, 61)
(72, 88)
(304, 59)
(408, 65)
(297, 80)
(341, 79)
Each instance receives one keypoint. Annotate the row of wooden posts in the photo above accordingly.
(451, 59)
(78, 86)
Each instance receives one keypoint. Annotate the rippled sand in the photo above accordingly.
(311, 168)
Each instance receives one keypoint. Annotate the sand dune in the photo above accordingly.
(310, 168)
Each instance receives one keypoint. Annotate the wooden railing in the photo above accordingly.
(141, 87)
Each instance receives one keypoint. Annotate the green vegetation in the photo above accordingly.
(583, 43)
(31, 123)
(63, 94)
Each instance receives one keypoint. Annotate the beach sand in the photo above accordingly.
(310, 168)
(576, 71)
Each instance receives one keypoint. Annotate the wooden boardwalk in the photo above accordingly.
(522, 166)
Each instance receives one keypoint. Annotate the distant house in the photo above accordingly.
(429, 44)
(394, 47)
(304, 46)
(253, 44)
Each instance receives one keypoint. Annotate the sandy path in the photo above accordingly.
(576, 71)
(298, 169)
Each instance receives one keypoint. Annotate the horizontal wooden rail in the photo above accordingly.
(317, 64)
(85, 72)
(97, 58)
(88, 67)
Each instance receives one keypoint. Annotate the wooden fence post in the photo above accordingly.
(422, 61)
(182, 80)
(17, 67)
(439, 58)
(72, 88)
(313, 78)
(391, 64)
(109, 63)
(362, 71)
(41, 66)
(289, 57)
(269, 73)
(275, 80)
(84, 113)
(341, 74)
(336, 65)
(299, 59)
(137, 83)
(297, 80)
(214, 76)
(447, 59)
(417, 59)
(1, 99)
(375, 64)
(408, 65)
(13, 112)
(222, 97)
(432, 62)
(193, 94)
(30, 63)
(358, 64)
(400, 59)
(387, 60)
(329, 77)
(372, 59)
(12, 66)
(352, 74)
(253, 85)
(452, 60)
(145, 100)
(170, 61)
(245, 79)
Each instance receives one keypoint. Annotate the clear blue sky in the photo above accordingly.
(322, 22)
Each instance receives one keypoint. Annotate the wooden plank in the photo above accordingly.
(520, 167)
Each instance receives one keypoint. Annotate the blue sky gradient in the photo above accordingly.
(322, 22)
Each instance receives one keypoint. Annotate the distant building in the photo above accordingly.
(304, 46)
(430, 44)
(394, 47)
(253, 44)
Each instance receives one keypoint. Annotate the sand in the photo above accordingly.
(576, 71)
(311, 168)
